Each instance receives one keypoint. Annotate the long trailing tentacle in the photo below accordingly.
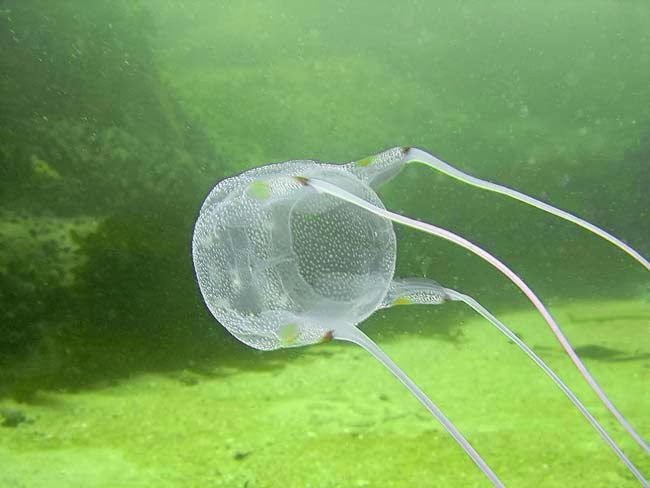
(424, 291)
(328, 188)
(454, 295)
(352, 334)
(415, 155)
(378, 169)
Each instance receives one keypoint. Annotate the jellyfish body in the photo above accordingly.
(301, 252)
(280, 266)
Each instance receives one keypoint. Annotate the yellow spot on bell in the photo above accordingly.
(289, 333)
(365, 161)
(259, 189)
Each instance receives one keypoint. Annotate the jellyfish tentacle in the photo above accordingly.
(356, 336)
(378, 169)
(424, 291)
(415, 155)
(325, 187)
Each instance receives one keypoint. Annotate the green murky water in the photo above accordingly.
(116, 119)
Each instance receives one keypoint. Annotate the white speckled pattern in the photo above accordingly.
(270, 252)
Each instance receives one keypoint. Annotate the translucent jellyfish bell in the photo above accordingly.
(279, 266)
(301, 252)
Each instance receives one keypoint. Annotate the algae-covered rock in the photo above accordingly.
(100, 177)
(39, 257)
(48, 247)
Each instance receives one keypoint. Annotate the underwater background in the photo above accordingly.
(116, 119)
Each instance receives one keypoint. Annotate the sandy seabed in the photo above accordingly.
(331, 416)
